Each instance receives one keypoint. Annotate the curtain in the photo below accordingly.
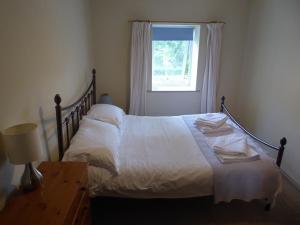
(212, 68)
(140, 66)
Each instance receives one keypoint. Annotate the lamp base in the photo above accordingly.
(31, 178)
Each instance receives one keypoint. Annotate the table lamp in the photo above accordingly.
(22, 146)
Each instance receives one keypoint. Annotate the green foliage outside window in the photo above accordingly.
(171, 58)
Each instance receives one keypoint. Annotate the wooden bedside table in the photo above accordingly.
(61, 200)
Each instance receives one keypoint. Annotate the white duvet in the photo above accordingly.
(158, 158)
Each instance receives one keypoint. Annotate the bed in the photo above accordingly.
(165, 157)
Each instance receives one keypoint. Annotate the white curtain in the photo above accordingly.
(140, 66)
(212, 68)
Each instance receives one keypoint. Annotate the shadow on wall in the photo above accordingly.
(248, 116)
(6, 175)
(48, 135)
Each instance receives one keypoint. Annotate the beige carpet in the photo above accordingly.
(197, 211)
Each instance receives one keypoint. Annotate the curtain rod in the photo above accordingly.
(170, 21)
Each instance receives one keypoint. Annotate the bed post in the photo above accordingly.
(57, 100)
(283, 142)
(94, 86)
(222, 103)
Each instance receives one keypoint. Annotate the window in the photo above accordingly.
(175, 57)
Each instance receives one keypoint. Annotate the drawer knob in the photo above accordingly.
(83, 189)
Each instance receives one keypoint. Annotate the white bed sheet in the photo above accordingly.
(158, 158)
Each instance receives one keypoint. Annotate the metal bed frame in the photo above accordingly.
(71, 115)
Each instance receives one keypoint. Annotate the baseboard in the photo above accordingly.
(292, 180)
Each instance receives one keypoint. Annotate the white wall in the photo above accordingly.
(270, 85)
(45, 49)
(112, 42)
(172, 103)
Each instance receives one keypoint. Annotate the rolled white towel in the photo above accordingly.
(211, 119)
(235, 147)
(210, 130)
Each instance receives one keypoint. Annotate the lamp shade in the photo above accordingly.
(22, 143)
(106, 99)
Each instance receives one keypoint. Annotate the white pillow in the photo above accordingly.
(106, 113)
(96, 143)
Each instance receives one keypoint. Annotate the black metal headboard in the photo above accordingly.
(283, 140)
(73, 114)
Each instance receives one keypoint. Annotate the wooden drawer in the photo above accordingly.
(82, 215)
(86, 216)
(75, 206)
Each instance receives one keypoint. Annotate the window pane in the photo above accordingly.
(175, 57)
(171, 65)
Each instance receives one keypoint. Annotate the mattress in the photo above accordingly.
(159, 158)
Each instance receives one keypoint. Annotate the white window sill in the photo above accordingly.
(150, 91)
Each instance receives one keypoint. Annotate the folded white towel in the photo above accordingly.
(210, 130)
(234, 147)
(250, 156)
(211, 119)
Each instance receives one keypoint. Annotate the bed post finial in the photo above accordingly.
(283, 142)
(94, 85)
(57, 100)
(222, 103)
